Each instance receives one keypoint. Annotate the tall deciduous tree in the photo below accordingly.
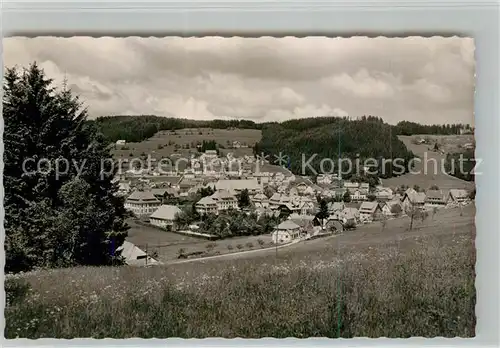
(60, 202)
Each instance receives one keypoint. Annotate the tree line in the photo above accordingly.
(140, 127)
(313, 140)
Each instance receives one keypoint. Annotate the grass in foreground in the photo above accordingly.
(428, 292)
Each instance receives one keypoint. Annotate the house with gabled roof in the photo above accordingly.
(335, 206)
(260, 200)
(458, 196)
(388, 207)
(286, 232)
(413, 199)
(370, 211)
(164, 216)
(351, 213)
(436, 199)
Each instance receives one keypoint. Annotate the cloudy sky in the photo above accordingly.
(428, 80)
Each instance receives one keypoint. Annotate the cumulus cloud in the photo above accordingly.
(429, 80)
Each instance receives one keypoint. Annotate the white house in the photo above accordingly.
(164, 216)
(142, 203)
(351, 186)
(134, 256)
(285, 232)
(121, 142)
(358, 195)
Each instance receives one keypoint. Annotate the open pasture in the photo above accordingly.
(183, 141)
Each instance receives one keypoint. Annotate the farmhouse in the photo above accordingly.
(134, 256)
(458, 196)
(351, 213)
(164, 217)
(436, 199)
(120, 142)
(370, 211)
(390, 208)
(285, 232)
(413, 199)
(142, 203)
(306, 222)
(335, 223)
(335, 206)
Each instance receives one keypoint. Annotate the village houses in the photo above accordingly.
(164, 217)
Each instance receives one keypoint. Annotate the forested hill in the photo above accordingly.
(367, 137)
(411, 128)
(139, 128)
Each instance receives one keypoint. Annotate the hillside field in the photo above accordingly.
(370, 282)
(427, 175)
(168, 139)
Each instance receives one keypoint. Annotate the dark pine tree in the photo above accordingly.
(323, 211)
(243, 199)
(67, 213)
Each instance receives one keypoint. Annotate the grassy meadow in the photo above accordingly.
(163, 143)
(369, 283)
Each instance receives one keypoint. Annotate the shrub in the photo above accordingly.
(16, 290)
(261, 242)
(239, 246)
(229, 247)
(249, 245)
(210, 246)
(181, 252)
